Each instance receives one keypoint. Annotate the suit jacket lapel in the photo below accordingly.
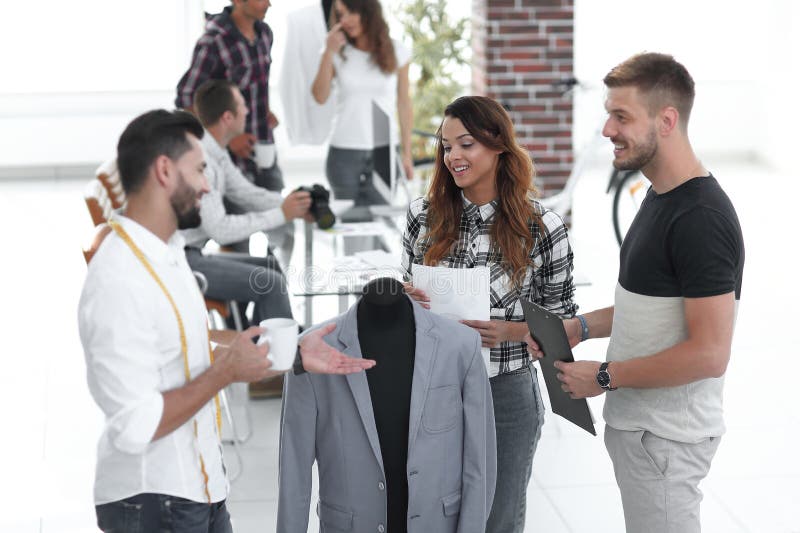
(427, 343)
(348, 337)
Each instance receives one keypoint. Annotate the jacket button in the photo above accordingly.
(381, 529)
(381, 486)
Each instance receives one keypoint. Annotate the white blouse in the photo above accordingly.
(358, 82)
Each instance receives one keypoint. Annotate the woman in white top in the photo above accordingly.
(368, 66)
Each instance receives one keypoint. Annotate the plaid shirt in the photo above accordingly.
(548, 278)
(223, 53)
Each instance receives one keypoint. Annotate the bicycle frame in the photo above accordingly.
(561, 202)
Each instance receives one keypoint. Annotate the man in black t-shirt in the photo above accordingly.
(675, 305)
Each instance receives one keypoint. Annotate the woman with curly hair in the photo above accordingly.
(480, 211)
(365, 65)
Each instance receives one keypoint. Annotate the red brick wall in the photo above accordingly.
(520, 49)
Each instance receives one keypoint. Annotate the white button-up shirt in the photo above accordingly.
(131, 340)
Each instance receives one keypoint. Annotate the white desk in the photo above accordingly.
(347, 275)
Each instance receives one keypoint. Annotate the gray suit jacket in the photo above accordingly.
(451, 440)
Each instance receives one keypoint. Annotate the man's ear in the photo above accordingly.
(668, 120)
(226, 116)
(163, 170)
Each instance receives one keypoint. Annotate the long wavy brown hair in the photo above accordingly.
(488, 122)
(381, 48)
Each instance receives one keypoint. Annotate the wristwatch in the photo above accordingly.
(604, 378)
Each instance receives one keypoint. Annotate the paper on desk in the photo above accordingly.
(379, 259)
(357, 228)
(457, 293)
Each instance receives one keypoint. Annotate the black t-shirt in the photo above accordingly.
(686, 242)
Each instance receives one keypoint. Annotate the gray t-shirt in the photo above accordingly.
(685, 243)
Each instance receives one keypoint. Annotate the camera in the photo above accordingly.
(320, 208)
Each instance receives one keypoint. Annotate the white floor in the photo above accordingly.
(50, 424)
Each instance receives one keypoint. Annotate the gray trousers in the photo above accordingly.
(349, 174)
(658, 479)
(518, 417)
(244, 278)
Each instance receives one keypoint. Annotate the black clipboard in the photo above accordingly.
(548, 331)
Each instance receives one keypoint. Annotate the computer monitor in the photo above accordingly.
(384, 170)
(384, 158)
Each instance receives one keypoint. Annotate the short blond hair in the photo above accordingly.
(660, 78)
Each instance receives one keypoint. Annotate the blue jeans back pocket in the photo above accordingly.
(119, 517)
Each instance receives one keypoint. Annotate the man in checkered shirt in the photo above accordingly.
(236, 46)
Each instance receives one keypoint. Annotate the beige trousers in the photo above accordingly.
(658, 479)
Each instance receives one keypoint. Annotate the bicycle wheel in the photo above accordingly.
(628, 197)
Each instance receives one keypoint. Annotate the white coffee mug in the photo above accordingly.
(265, 155)
(281, 334)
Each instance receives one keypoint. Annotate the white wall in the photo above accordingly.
(75, 72)
(778, 140)
(742, 54)
(80, 82)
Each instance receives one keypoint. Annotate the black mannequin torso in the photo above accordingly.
(387, 333)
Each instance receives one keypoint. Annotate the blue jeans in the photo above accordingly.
(244, 278)
(155, 513)
(518, 415)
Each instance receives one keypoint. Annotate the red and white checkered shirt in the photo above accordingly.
(222, 52)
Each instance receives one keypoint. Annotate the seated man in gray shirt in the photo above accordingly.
(237, 276)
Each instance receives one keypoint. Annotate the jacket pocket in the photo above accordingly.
(451, 504)
(331, 517)
(442, 409)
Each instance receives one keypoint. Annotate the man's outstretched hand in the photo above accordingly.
(321, 358)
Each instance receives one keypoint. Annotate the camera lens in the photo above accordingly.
(320, 209)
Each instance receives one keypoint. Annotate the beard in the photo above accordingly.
(184, 205)
(642, 154)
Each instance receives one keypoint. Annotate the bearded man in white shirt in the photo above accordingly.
(150, 367)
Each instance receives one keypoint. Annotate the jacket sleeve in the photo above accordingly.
(296, 453)
(480, 447)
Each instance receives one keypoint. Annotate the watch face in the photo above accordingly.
(603, 379)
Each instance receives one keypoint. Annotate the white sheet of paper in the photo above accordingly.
(379, 258)
(457, 293)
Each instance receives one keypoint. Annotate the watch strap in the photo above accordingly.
(604, 370)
